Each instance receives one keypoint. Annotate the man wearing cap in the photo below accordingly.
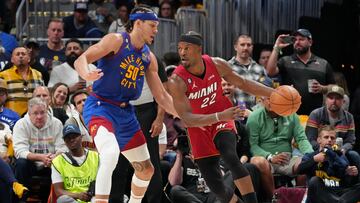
(7, 115)
(79, 25)
(308, 73)
(332, 114)
(123, 61)
(73, 172)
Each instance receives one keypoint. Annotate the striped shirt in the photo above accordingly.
(19, 89)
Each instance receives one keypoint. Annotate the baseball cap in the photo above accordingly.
(71, 129)
(303, 32)
(81, 6)
(3, 84)
(334, 89)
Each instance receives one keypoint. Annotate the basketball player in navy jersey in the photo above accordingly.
(198, 98)
(123, 61)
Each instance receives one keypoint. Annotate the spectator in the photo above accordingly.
(37, 140)
(166, 10)
(43, 93)
(118, 25)
(4, 60)
(8, 42)
(270, 143)
(7, 116)
(263, 59)
(333, 114)
(301, 67)
(9, 184)
(264, 56)
(73, 173)
(59, 98)
(21, 80)
(53, 53)
(66, 73)
(245, 66)
(185, 178)
(6, 144)
(355, 110)
(79, 25)
(102, 13)
(332, 176)
(340, 80)
(78, 100)
(34, 50)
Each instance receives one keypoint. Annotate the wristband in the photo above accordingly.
(269, 157)
(277, 49)
(217, 117)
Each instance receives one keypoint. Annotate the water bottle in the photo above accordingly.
(339, 142)
(242, 106)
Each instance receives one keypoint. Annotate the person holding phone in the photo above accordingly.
(308, 73)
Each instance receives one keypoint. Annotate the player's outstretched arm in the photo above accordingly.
(249, 86)
(109, 44)
(161, 96)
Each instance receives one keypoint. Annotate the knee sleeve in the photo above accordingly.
(107, 147)
(137, 154)
(109, 151)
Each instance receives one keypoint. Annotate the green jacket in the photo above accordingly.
(266, 137)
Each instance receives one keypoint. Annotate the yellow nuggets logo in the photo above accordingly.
(134, 68)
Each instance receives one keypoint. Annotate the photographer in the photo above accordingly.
(73, 173)
(332, 176)
(185, 178)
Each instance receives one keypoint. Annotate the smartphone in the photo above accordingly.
(288, 39)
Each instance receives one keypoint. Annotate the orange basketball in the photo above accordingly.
(285, 100)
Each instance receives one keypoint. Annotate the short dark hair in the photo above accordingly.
(242, 36)
(76, 93)
(76, 40)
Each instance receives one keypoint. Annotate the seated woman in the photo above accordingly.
(60, 101)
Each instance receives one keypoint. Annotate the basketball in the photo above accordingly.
(285, 100)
